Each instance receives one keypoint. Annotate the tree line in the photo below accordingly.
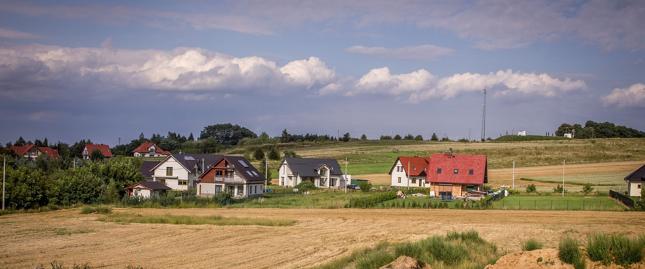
(593, 129)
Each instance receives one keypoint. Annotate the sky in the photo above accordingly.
(73, 70)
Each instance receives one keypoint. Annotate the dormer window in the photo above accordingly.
(455, 171)
(439, 170)
(471, 172)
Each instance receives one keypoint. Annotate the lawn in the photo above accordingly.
(316, 199)
(602, 182)
(557, 202)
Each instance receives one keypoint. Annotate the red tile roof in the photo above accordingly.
(417, 165)
(51, 153)
(463, 163)
(104, 149)
(22, 150)
(143, 148)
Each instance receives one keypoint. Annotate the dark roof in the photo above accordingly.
(307, 167)
(152, 185)
(190, 161)
(245, 168)
(639, 174)
(146, 168)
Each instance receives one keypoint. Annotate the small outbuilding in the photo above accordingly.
(147, 189)
(635, 182)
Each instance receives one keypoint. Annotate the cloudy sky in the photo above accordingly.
(72, 70)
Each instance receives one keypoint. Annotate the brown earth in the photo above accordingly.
(498, 177)
(320, 236)
(546, 258)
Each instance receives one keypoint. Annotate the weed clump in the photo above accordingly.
(531, 244)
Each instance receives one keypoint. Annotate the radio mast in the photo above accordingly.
(484, 119)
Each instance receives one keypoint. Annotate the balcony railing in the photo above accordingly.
(229, 180)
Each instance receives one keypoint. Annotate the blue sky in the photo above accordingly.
(103, 70)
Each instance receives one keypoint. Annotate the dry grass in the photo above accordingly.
(192, 220)
(319, 236)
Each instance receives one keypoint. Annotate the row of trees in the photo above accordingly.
(593, 129)
(52, 182)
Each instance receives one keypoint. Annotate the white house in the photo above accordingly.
(568, 135)
(147, 189)
(635, 182)
(181, 171)
(409, 172)
(521, 133)
(231, 174)
(323, 173)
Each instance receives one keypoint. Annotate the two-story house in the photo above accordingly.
(149, 149)
(323, 173)
(409, 172)
(231, 174)
(181, 171)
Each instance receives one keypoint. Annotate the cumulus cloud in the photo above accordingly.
(632, 96)
(421, 52)
(182, 69)
(422, 85)
(12, 34)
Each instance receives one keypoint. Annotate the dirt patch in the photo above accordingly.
(320, 235)
(405, 262)
(536, 259)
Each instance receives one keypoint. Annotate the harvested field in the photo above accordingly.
(319, 236)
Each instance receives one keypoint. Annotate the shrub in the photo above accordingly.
(223, 198)
(558, 189)
(371, 200)
(626, 251)
(531, 188)
(442, 251)
(374, 259)
(306, 186)
(531, 244)
(587, 188)
(598, 247)
(97, 209)
(468, 236)
(568, 251)
(365, 186)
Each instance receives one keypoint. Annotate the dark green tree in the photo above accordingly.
(418, 138)
(434, 137)
(20, 142)
(363, 137)
(346, 137)
(397, 137)
(274, 154)
(96, 155)
(258, 154)
(226, 134)
(284, 138)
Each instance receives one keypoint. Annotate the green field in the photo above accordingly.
(375, 157)
(601, 182)
(556, 202)
(316, 199)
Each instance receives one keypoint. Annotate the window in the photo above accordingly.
(182, 182)
(439, 170)
(243, 163)
(414, 181)
(471, 172)
(255, 189)
(639, 186)
(218, 173)
(455, 171)
(399, 179)
(218, 188)
(168, 171)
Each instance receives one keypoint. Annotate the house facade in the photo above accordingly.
(323, 173)
(181, 171)
(102, 148)
(149, 149)
(635, 182)
(447, 175)
(30, 151)
(409, 172)
(231, 174)
(147, 189)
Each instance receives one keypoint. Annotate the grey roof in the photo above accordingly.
(639, 174)
(307, 167)
(190, 161)
(153, 185)
(245, 168)
(146, 168)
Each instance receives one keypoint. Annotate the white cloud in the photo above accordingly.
(421, 52)
(12, 34)
(422, 85)
(182, 69)
(632, 96)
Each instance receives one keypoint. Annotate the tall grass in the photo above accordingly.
(96, 209)
(531, 244)
(615, 248)
(371, 200)
(193, 220)
(569, 252)
(455, 250)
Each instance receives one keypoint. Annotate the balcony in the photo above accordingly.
(229, 180)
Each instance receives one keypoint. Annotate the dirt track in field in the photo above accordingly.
(498, 177)
(321, 235)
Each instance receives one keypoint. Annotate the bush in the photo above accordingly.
(365, 186)
(305, 186)
(587, 188)
(626, 251)
(568, 251)
(598, 247)
(371, 200)
(448, 253)
(531, 244)
(531, 188)
(97, 209)
(558, 189)
(373, 259)
(223, 198)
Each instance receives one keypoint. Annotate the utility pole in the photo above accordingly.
(346, 164)
(4, 168)
(266, 172)
(484, 118)
(513, 174)
(564, 162)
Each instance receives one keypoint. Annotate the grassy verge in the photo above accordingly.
(192, 220)
(455, 250)
(616, 248)
(555, 202)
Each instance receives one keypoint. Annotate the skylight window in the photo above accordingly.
(255, 174)
(249, 172)
(189, 158)
(243, 163)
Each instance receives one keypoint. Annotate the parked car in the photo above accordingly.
(353, 187)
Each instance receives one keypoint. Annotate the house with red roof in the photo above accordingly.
(409, 171)
(149, 149)
(30, 151)
(447, 175)
(231, 174)
(102, 148)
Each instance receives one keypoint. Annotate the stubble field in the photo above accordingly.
(319, 236)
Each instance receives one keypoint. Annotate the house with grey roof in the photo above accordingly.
(181, 171)
(323, 173)
(635, 182)
(231, 174)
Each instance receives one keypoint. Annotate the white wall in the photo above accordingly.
(284, 173)
(178, 172)
(206, 189)
(633, 187)
(145, 193)
(396, 175)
